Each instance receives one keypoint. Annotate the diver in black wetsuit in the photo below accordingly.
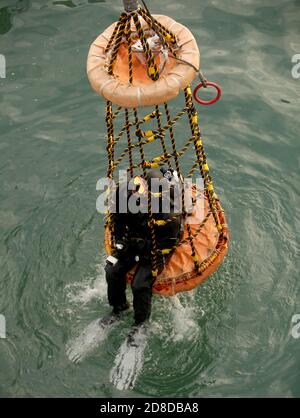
(132, 236)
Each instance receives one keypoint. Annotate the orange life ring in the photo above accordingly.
(175, 77)
(211, 245)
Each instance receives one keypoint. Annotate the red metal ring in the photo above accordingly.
(208, 102)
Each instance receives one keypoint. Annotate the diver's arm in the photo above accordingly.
(120, 228)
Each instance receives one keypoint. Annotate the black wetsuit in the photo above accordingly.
(133, 233)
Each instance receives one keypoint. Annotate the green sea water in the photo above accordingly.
(232, 336)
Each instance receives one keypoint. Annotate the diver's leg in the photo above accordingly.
(116, 280)
(142, 290)
(142, 293)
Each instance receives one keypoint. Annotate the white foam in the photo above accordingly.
(86, 342)
(89, 289)
(184, 324)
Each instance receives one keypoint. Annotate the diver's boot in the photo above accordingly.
(120, 308)
(116, 315)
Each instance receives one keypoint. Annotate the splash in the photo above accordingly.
(185, 327)
(89, 289)
(87, 341)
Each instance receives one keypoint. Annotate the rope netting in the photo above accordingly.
(153, 134)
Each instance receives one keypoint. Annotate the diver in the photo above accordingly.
(132, 237)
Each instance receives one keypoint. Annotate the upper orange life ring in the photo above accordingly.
(175, 77)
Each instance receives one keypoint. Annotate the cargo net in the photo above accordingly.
(154, 134)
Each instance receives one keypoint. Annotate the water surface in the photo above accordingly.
(229, 337)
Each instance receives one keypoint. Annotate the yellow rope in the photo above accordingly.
(123, 33)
